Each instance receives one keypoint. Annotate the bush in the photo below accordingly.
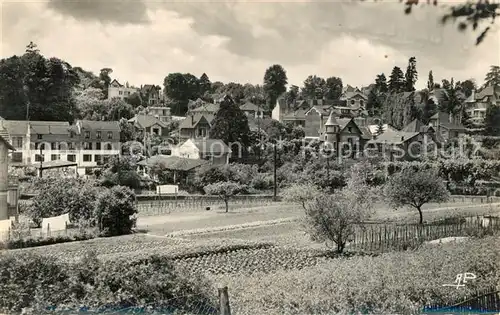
(30, 241)
(114, 211)
(392, 283)
(62, 195)
(36, 283)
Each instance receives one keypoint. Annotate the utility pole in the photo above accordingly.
(41, 159)
(275, 181)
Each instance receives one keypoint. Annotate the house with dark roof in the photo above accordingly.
(478, 103)
(345, 136)
(252, 110)
(29, 138)
(445, 125)
(149, 125)
(183, 168)
(151, 94)
(213, 150)
(354, 97)
(195, 126)
(98, 142)
(395, 145)
(418, 126)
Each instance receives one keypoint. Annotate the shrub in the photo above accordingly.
(63, 195)
(114, 211)
(35, 283)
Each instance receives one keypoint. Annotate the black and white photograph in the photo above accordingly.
(199, 157)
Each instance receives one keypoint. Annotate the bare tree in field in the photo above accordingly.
(416, 188)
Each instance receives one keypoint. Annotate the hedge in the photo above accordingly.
(460, 171)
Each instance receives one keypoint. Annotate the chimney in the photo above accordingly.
(192, 119)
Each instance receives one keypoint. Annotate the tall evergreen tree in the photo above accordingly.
(396, 80)
(230, 124)
(381, 83)
(275, 81)
(411, 75)
(493, 76)
(430, 81)
(374, 103)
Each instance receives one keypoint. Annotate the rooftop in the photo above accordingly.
(146, 121)
(395, 137)
(213, 146)
(173, 163)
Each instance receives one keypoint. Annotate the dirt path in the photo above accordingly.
(245, 218)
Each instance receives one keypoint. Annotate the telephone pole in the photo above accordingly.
(275, 181)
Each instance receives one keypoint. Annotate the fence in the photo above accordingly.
(488, 301)
(378, 237)
(17, 233)
(167, 206)
(474, 199)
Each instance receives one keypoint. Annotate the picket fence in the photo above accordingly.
(484, 301)
(380, 237)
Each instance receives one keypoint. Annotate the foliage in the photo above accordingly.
(45, 83)
(314, 87)
(411, 75)
(114, 210)
(224, 190)
(396, 80)
(333, 88)
(301, 194)
(29, 242)
(275, 81)
(492, 121)
(230, 124)
(181, 88)
(416, 188)
(332, 218)
(492, 77)
(151, 283)
(57, 196)
(392, 283)
(121, 171)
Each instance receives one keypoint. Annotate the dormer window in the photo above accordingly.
(98, 134)
(39, 137)
(87, 134)
(352, 102)
(110, 135)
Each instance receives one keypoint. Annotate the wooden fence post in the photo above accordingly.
(224, 301)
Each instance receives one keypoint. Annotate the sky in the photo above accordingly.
(144, 40)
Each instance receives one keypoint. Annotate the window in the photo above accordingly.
(39, 158)
(98, 158)
(39, 137)
(17, 156)
(17, 142)
(42, 146)
(71, 158)
(55, 157)
(98, 134)
(110, 135)
(71, 134)
(53, 146)
(349, 129)
(120, 92)
(71, 146)
(98, 146)
(361, 102)
(156, 131)
(352, 102)
(87, 134)
(87, 145)
(109, 147)
(87, 158)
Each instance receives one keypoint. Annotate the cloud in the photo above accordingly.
(110, 11)
(238, 41)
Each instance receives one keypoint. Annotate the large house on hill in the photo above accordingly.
(478, 103)
(116, 89)
(151, 94)
(446, 127)
(195, 126)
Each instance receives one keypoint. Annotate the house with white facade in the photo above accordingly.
(213, 150)
(116, 89)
